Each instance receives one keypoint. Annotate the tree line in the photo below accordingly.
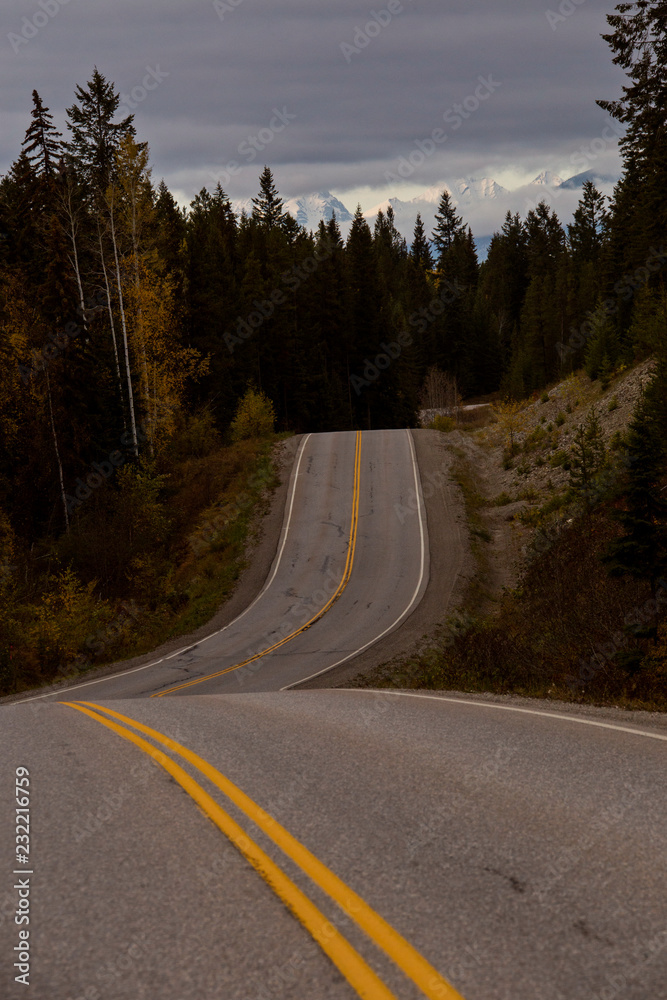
(122, 313)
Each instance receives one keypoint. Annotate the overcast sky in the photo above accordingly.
(352, 100)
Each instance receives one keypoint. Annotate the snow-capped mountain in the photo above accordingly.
(313, 208)
(470, 195)
(481, 201)
(548, 179)
(576, 182)
(308, 210)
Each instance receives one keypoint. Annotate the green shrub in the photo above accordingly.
(560, 460)
(196, 436)
(544, 398)
(617, 441)
(502, 499)
(560, 419)
(613, 404)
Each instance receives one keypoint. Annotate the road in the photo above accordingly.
(236, 840)
(348, 570)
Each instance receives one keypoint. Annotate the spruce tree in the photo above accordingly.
(586, 231)
(42, 140)
(268, 208)
(641, 551)
(420, 250)
(447, 226)
(639, 43)
(96, 138)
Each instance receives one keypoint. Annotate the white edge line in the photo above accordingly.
(403, 614)
(508, 708)
(179, 652)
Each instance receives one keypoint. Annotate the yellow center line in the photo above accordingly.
(402, 953)
(349, 962)
(347, 572)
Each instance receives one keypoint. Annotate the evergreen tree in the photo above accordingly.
(42, 145)
(420, 250)
(642, 549)
(268, 210)
(639, 43)
(95, 136)
(447, 226)
(586, 232)
(587, 459)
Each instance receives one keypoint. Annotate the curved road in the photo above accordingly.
(231, 840)
(348, 570)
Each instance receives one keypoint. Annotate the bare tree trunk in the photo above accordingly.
(74, 258)
(151, 409)
(112, 325)
(57, 450)
(124, 326)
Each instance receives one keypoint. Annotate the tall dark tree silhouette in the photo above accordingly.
(420, 250)
(268, 208)
(42, 143)
(447, 225)
(96, 138)
(586, 231)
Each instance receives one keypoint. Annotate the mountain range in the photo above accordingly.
(481, 201)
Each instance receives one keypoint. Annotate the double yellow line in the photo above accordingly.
(347, 572)
(349, 962)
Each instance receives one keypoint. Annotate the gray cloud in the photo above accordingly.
(355, 113)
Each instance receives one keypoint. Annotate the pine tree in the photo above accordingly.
(447, 226)
(95, 136)
(639, 44)
(586, 232)
(420, 250)
(268, 208)
(42, 145)
(587, 459)
(641, 551)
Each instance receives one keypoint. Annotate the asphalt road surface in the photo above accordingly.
(236, 840)
(350, 567)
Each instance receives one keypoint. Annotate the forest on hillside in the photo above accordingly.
(131, 329)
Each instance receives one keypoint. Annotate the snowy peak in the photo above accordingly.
(576, 182)
(548, 179)
(477, 189)
(310, 210)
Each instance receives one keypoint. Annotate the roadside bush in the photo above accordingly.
(443, 424)
(196, 436)
(255, 416)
